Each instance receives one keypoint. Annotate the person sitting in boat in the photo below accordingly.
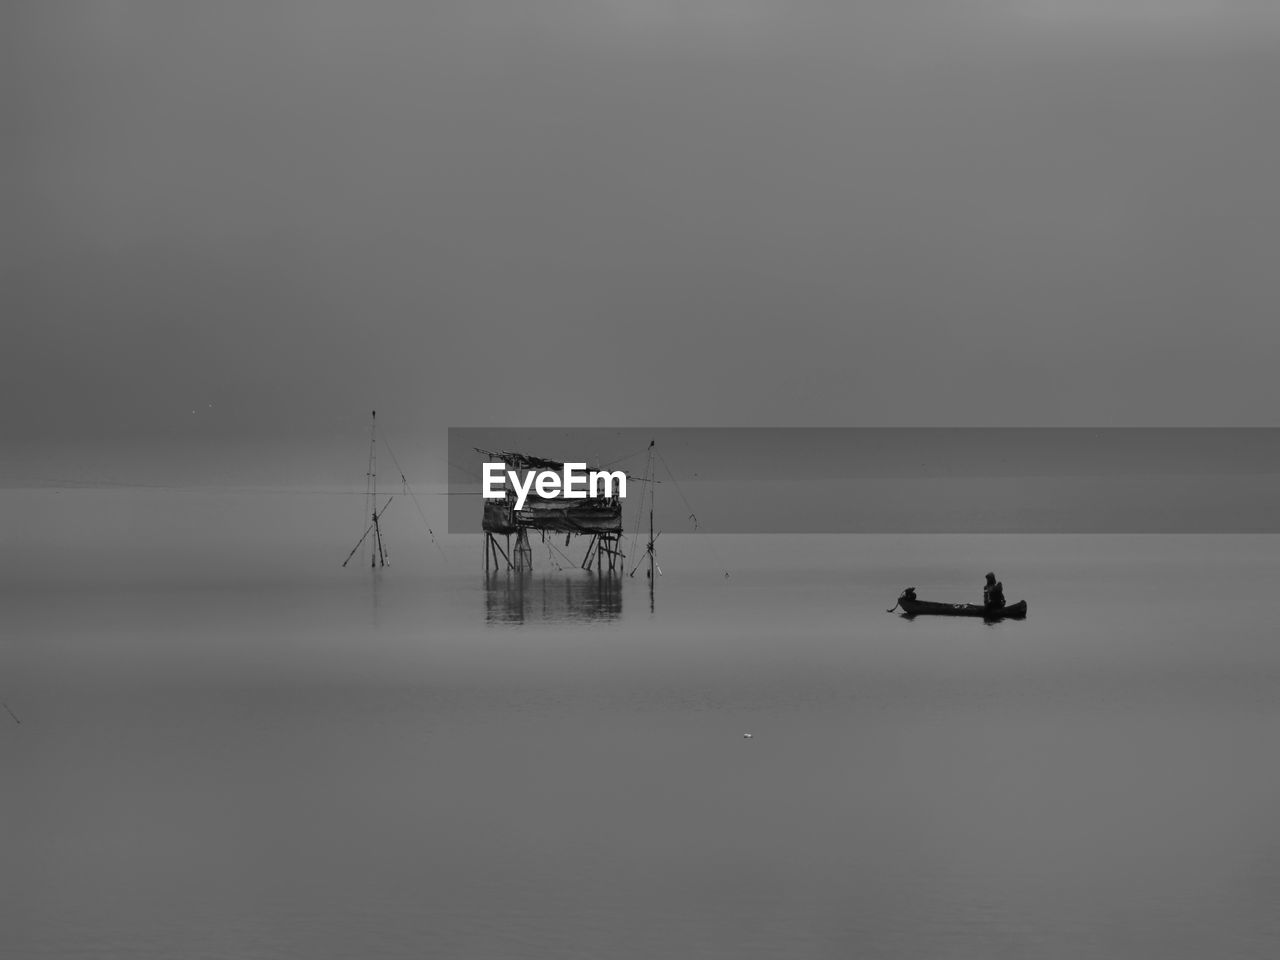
(993, 593)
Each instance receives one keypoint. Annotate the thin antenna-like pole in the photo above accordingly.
(651, 548)
(364, 536)
(378, 555)
(380, 559)
(651, 545)
(373, 480)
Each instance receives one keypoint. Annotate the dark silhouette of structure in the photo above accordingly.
(598, 518)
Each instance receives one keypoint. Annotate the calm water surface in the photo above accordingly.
(232, 747)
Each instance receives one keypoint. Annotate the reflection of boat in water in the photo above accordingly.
(517, 598)
(911, 607)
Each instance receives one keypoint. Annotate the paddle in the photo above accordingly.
(909, 593)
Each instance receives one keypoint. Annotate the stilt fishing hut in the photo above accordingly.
(599, 518)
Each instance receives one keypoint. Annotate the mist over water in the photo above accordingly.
(234, 231)
(232, 746)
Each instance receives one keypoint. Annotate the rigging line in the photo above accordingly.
(567, 559)
(413, 496)
(627, 457)
(399, 469)
(458, 466)
(676, 483)
(693, 516)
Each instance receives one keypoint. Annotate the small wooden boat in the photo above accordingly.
(911, 607)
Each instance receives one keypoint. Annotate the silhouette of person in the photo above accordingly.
(993, 593)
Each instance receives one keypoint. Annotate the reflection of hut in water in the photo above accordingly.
(521, 598)
(596, 517)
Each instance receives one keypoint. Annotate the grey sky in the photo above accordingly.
(635, 211)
